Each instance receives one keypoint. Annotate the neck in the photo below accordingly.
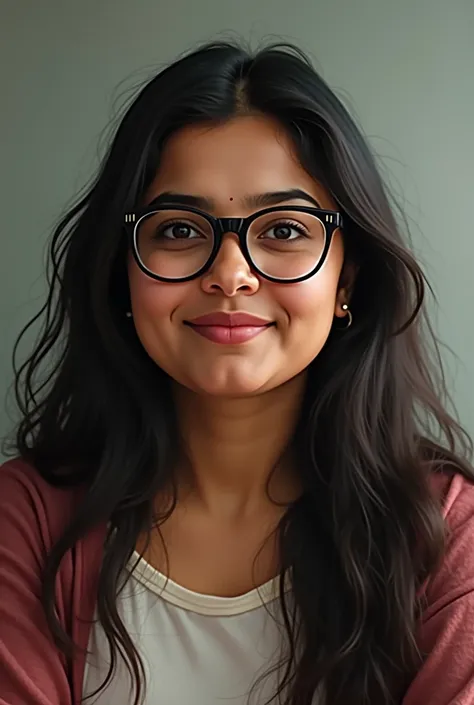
(238, 449)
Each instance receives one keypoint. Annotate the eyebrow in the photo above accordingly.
(260, 200)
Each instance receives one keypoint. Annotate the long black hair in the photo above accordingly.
(96, 411)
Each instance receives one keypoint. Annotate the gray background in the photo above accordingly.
(405, 68)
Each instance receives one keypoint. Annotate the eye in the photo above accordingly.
(178, 231)
(285, 231)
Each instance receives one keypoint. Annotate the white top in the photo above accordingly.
(197, 649)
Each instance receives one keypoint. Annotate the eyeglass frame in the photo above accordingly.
(330, 220)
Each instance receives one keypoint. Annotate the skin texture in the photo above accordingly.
(237, 405)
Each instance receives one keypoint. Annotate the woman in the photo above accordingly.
(230, 486)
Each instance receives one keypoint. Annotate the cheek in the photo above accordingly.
(310, 308)
(152, 299)
(311, 302)
(153, 305)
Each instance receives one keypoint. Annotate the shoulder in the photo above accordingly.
(33, 516)
(28, 501)
(21, 478)
(455, 494)
(447, 623)
(455, 575)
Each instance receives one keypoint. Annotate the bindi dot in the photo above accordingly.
(231, 199)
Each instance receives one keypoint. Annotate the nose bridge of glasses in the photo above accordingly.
(230, 225)
(233, 227)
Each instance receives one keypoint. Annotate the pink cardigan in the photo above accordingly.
(33, 672)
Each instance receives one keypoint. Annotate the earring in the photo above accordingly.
(129, 314)
(345, 307)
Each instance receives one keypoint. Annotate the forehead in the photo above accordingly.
(244, 156)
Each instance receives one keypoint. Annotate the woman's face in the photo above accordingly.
(228, 165)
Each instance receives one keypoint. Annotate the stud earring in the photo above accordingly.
(129, 314)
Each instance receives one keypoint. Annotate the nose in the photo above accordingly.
(230, 273)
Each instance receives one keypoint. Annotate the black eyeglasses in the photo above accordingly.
(283, 244)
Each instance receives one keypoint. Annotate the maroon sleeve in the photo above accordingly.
(32, 670)
(447, 630)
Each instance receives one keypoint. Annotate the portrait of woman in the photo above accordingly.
(235, 479)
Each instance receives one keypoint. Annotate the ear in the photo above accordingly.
(345, 287)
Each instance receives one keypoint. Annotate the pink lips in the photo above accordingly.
(229, 328)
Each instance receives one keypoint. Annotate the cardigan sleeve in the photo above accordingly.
(447, 629)
(32, 669)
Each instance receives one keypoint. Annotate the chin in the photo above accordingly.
(230, 383)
